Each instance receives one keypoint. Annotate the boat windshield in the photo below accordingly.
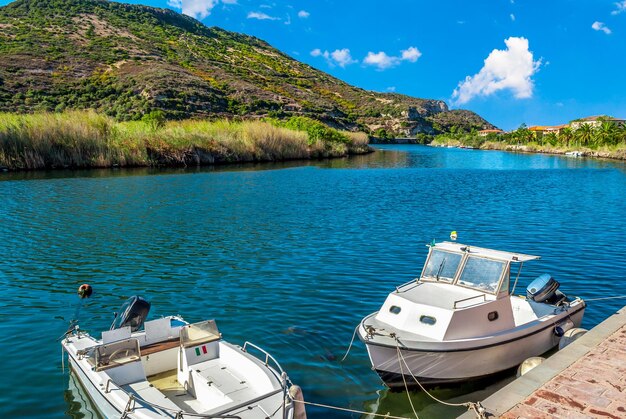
(482, 274)
(442, 266)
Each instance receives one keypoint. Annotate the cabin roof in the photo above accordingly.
(488, 253)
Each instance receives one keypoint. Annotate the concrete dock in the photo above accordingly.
(586, 379)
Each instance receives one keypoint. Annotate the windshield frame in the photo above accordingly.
(437, 278)
(461, 267)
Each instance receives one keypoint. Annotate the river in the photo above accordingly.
(289, 256)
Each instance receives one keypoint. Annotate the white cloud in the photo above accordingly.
(411, 54)
(381, 60)
(391, 89)
(340, 57)
(509, 69)
(512, 16)
(303, 14)
(261, 16)
(198, 9)
(620, 7)
(599, 26)
(229, 1)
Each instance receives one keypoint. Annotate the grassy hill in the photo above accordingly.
(127, 60)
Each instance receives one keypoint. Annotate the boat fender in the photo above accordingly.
(570, 336)
(295, 392)
(558, 331)
(529, 364)
(85, 291)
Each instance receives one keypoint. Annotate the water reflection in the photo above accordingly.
(79, 405)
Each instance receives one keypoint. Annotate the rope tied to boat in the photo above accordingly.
(476, 407)
(344, 409)
(351, 342)
(604, 298)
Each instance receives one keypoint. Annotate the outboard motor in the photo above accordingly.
(132, 313)
(545, 289)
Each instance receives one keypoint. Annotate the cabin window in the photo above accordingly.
(395, 309)
(493, 316)
(481, 274)
(429, 320)
(442, 266)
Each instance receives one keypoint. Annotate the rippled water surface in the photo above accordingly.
(289, 256)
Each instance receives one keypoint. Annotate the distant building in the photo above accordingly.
(595, 121)
(547, 129)
(486, 132)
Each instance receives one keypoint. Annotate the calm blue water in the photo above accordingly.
(288, 256)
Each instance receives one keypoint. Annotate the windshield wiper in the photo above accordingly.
(441, 265)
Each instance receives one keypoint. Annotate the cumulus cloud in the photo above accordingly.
(382, 61)
(261, 16)
(340, 57)
(198, 9)
(620, 7)
(303, 14)
(411, 54)
(510, 69)
(599, 26)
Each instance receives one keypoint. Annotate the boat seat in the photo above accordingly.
(160, 346)
(147, 392)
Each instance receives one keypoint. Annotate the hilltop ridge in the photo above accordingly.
(127, 60)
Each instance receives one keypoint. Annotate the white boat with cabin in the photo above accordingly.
(174, 369)
(460, 319)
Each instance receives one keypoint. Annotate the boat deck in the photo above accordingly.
(231, 393)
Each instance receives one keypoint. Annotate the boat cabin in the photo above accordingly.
(475, 268)
(462, 292)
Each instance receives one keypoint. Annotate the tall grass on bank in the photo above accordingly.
(81, 139)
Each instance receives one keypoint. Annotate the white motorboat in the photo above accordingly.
(460, 319)
(170, 368)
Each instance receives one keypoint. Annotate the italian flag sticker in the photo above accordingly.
(198, 353)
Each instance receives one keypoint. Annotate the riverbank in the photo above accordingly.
(86, 139)
(615, 152)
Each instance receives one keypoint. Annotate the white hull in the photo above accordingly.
(219, 380)
(443, 366)
(97, 398)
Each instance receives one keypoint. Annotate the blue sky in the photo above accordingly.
(511, 61)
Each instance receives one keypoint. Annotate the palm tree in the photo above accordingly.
(606, 133)
(584, 134)
(566, 135)
(620, 134)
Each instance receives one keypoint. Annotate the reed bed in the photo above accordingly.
(83, 139)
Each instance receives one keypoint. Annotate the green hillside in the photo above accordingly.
(127, 60)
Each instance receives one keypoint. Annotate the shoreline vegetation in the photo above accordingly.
(86, 139)
(605, 139)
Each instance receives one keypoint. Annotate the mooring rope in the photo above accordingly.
(406, 387)
(388, 416)
(351, 342)
(475, 406)
(604, 298)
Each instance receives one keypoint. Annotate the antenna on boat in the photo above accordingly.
(84, 291)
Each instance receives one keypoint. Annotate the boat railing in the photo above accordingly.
(267, 355)
(415, 281)
(484, 296)
(134, 399)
